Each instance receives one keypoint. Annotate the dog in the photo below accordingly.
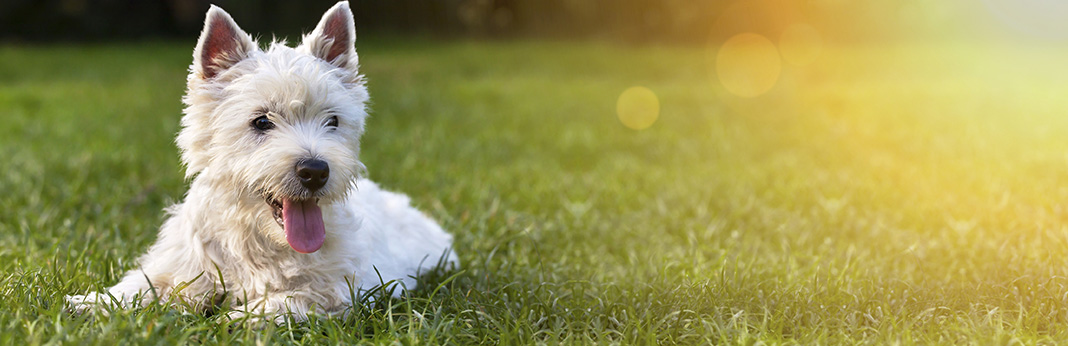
(278, 219)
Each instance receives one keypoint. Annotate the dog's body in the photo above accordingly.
(277, 216)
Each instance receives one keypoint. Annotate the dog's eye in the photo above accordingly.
(262, 123)
(332, 122)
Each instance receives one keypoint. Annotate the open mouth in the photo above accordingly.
(302, 220)
(276, 210)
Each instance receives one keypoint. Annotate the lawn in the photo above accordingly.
(907, 193)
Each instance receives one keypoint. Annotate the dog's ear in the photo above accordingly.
(334, 38)
(222, 44)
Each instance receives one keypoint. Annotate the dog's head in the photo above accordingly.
(281, 125)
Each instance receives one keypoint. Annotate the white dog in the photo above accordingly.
(277, 220)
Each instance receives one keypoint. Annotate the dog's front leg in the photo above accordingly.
(167, 264)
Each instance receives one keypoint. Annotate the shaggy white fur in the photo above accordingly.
(251, 215)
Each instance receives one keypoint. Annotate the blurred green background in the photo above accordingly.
(635, 172)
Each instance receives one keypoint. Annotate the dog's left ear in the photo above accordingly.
(334, 39)
(222, 44)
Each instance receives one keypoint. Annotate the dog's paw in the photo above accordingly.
(90, 303)
(103, 303)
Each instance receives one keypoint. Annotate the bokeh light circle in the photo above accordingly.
(748, 65)
(800, 44)
(638, 107)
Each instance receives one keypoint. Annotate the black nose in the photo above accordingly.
(313, 173)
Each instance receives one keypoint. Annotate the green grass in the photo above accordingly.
(885, 194)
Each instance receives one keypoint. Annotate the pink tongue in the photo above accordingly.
(303, 222)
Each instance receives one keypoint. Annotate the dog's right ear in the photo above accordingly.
(222, 44)
(334, 38)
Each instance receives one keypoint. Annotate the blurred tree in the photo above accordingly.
(635, 20)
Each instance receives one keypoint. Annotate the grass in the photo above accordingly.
(908, 194)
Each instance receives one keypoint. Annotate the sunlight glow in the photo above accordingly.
(1039, 18)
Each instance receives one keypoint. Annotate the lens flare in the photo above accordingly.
(748, 65)
(638, 107)
(800, 44)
